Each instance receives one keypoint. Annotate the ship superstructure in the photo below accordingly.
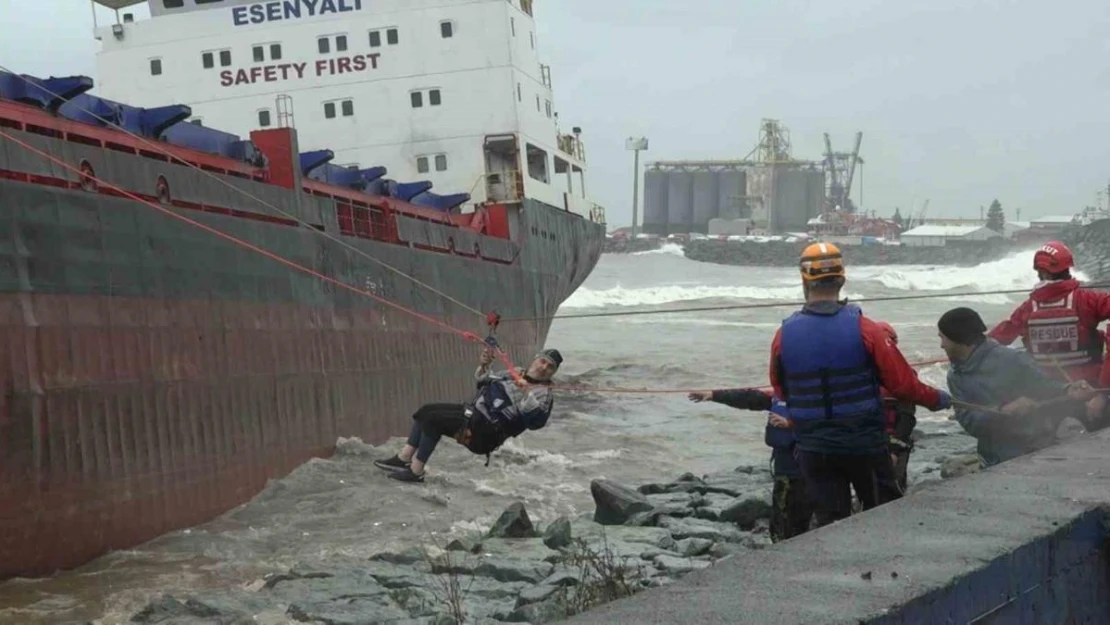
(449, 91)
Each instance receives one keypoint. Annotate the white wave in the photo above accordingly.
(656, 295)
(674, 249)
(1012, 272)
(689, 321)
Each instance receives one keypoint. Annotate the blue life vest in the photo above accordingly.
(779, 438)
(496, 399)
(830, 381)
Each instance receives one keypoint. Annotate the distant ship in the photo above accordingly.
(158, 374)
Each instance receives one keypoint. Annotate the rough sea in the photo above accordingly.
(344, 507)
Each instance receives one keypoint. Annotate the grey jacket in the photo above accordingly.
(519, 409)
(992, 376)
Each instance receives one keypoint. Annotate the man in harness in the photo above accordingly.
(829, 364)
(506, 405)
(1058, 325)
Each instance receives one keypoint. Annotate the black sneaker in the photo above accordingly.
(392, 464)
(406, 475)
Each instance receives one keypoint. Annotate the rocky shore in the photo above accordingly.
(779, 254)
(516, 572)
(1091, 246)
(627, 245)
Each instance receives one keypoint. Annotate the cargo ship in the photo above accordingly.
(201, 292)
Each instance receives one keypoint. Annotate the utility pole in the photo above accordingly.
(635, 145)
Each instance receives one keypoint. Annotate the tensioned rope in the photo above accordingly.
(160, 148)
(779, 304)
(469, 336)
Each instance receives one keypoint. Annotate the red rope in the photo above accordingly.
(470, 336)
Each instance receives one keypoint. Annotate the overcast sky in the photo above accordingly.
(960, 101)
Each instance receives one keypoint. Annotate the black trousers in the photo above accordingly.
(432, 422)
(830, 479)
(901, 466)
(791, 508)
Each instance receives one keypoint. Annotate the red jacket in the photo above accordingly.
(1092, 307)
(895, 374)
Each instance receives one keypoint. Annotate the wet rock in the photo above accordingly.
(350, 610)
(956, 466)
(498, 568)
(543, 612)
(697, 528)
(614, 503)
(651, 536)
(694, 546)
(276, 578)
(519, 549)
(558, 534)
(679, 565)
(166, 609)
(513, 523)
(536, 594)
(746, 512)
(410, 555)
(465, 544)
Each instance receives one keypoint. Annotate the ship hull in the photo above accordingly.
(158, 375)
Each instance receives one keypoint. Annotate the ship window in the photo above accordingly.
(537, 104)
(208, 60)
(422, 165)
(259, 54)
(417, 99)
(375, 39)
(441, 162)
(348, 107)
(341, 43)
(275, 51)
(155, 67)
(264, 118)
(225, 58)
(547, 105)
(324, 45)
(532, 39)
(433, 97)
(512, 25)
(446, 29)
(391, 36)
(519, 93)
(329, 110)
(173, 4)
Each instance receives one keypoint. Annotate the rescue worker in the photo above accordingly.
(828, 363)
(900, 423)
(999, 391)
(791, 509)
(1058, 325)
(504, 408)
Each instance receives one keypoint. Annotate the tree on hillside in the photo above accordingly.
(996, 219)
(897, 218)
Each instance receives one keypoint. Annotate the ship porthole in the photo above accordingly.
(163, 189)
(88, 177)
(451, 243)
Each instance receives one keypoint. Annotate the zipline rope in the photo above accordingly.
(160, 148)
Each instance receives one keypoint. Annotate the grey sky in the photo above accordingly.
(959, 101)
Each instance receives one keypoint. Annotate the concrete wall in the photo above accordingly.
(1024, 542)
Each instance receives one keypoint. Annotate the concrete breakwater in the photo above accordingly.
(781, 254)
(1091, 246)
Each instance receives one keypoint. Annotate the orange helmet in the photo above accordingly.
(821, 260)
(889, 329)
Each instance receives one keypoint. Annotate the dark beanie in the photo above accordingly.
(962, 325)
(553, 355)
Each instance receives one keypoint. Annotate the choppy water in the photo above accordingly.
(344, 508)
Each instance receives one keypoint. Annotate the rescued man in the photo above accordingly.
(505, 407)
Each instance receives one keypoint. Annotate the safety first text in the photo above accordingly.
(290, 71)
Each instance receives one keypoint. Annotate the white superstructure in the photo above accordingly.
(450, 91)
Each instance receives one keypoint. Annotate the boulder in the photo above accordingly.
(746, 512)
(465, 544)
(693, 546)
(697, 528)
(615, 504)
(558, 534)
(963, 464)
(513, 523)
